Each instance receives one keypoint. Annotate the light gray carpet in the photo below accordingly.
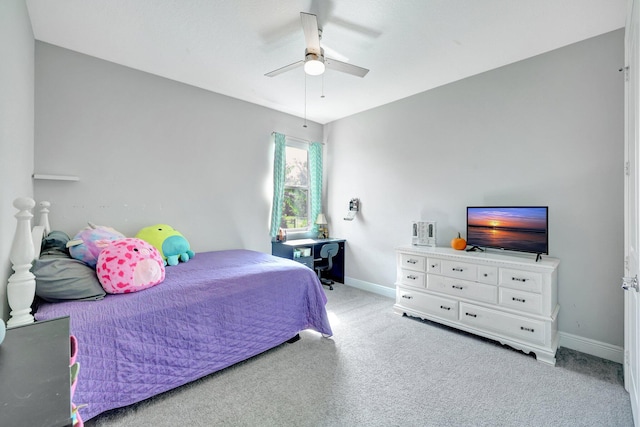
(380, 369)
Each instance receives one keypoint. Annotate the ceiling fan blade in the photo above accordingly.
(334, 64)
(285, 69)
(334, 53)
(311, 34)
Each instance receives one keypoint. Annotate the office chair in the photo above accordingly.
(327, 252)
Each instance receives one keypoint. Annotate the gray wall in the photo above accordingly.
(149, 150)
(16, 125)
(544, 131)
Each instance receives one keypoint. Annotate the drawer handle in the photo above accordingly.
(526, 329)
(485, 275)
(411, 277)
(445, 308)
(518, 279)
(471, 315)
(407, 296)
(518, 299)
(434, 265)
(458, 269)
(457, 287)
(412, 261)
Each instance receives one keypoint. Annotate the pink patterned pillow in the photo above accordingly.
(129, 265)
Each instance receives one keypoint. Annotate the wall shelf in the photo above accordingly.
(55, 177)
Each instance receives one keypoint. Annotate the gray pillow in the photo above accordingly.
(62, 278)
(55, 241)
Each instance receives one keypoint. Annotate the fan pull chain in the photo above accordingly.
(305, 101)
(322, 96)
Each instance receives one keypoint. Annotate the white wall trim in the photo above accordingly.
(593, 347)
(385, 291)
(585, 345)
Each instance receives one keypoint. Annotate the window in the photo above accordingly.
(295, 203)
(297, 185)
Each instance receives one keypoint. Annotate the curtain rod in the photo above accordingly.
(296, 138)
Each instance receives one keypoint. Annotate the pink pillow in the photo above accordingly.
(129, 265)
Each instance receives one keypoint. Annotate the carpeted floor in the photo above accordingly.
(381, 369)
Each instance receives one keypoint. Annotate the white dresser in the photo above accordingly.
(510, 299)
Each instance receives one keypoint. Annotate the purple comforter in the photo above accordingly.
(216, 310)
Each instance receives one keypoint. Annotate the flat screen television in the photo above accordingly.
(513, 228)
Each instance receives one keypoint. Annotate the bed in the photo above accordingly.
(211, 312)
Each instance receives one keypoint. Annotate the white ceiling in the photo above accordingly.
(226, 46)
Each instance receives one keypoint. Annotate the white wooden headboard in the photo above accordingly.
(24, 249)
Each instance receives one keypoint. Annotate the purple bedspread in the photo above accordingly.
(217, 309)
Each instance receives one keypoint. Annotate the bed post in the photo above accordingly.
(22, 284)
(44, 216)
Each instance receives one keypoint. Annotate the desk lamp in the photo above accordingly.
(323, 231)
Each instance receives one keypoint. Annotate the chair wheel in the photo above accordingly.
(330, 288)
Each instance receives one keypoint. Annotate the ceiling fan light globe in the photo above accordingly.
(314, 67)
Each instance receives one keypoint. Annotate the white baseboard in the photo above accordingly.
(371, 287)
(595, 348)
(585, 345)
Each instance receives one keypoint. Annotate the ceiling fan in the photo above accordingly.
(314, 61)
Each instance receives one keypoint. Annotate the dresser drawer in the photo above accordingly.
(459, 270)
(434, 265)
(412, 278)
(488, 275)
(462, 288)
(513, 326)
(413, 262)
(522, 280)
(428, 304)
(523, 301)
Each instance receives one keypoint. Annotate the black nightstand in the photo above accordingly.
(34, 373)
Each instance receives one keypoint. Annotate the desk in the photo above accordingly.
(34, 373)
(287, 249)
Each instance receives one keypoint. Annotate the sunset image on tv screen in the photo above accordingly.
(513, 228)
(511, 218)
